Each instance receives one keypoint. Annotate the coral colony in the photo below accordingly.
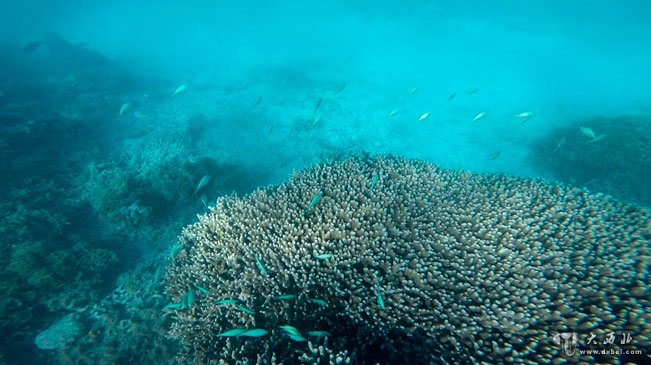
(398, 261)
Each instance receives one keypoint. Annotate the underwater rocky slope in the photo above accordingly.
(397, 261)
(616, 161)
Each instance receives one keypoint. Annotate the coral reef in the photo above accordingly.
(127, 326)
(59, 334)
(616, 162)
(403, 262)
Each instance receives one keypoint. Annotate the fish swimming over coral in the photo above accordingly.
(202, 183)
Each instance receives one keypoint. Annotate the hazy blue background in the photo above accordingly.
(558, 59)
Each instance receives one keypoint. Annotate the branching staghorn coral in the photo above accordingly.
(399, 261)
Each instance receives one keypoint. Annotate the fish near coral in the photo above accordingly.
(374, 180)
(291, 330)
(286, 297)
(313, 202)
(256, 332)
(227, 301)
(173, 306)
(181, 89)
(324, 256)
(380, 300)
(261, 267)
(202, 289)
(319, 333)
(320, 302)
(232, 333)
(587, 132)
(293, 333)
(494, 155)
(124, 108)
(244, 309)
(202, 183)
(175, 250)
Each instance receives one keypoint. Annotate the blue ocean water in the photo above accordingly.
(121, 121)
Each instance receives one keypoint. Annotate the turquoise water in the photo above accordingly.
(121, 121)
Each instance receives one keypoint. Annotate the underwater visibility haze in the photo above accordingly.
(333, 182)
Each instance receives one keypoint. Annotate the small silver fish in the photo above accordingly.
(560, 143)
(297, 338)
(227, 301)
(140, 116)
(232, 333)
(202, 289)
(494, 155)
(479, 116)
(181, 89)
(317, 105)
(175, 250)
(587, 132)
(320, 302)
(260, 265)
(452, 96)
(393, 112)
(597, 138)
(255, 332)
(374, 180)
(472, 90)
(324, 256)
(173, 306)
(124, 108)
(340, 88)
(319, 333)
(243, 309)
(291, 330)
(286, 297)
(317, 119)
(524, 115)
(257, 101)
(204, 200)
(313, 202)
(380, 300)
(423, 117)
(203, 182)
(413, 90)
(293, 333)
(160, 271)
(187, 299)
